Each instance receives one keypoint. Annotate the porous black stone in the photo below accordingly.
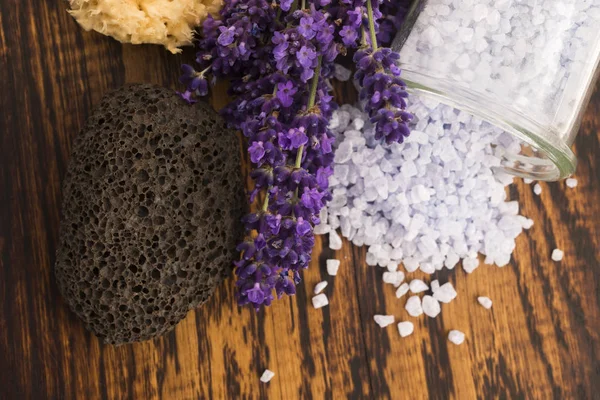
(152, 202)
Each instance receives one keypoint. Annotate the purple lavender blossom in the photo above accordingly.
(306, 56)
(306, 27)
(384, 92)
(349, 35)
(286, 92)
(227, 35)
(278, 56)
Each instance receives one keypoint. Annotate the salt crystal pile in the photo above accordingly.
(426, 203)
(528, 55)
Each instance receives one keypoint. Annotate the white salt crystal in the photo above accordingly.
(320, 300)
(320, 286)
(267, 376)
(456, 337)
(431, 306)
(411, 264)
(480, 11)
(428, 268)
(413, 306)
(406, 328)
(402, 290)
(557, 255)
(418, 286)
(445, 293)
(537, 189)
(435, 285)
(572, 182)
(393, 277)
(332, 267)
(335, 241)
(451, 260)
(384, 320)
(486, 302)
(527, 181)
(470, 264)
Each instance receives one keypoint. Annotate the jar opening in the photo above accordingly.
(543, 156)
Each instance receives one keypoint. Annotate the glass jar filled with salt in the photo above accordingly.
(526, 66)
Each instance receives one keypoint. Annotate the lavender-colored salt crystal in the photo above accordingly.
(442, 200)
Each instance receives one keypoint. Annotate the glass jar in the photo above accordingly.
(528, 67)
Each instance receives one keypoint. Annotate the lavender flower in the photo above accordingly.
(278, 56)
(285, 93)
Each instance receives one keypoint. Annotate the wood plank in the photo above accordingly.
(540, 340)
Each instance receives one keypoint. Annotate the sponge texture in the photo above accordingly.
(167, 22)
(153, 199)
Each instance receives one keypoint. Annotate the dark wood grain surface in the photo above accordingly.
(541, 340)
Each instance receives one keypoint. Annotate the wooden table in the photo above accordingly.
(540, 340)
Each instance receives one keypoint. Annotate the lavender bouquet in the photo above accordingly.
(278, 57)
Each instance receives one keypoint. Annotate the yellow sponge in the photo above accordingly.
(167, 22)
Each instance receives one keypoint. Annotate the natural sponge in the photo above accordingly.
(153, 199)
(167, 22)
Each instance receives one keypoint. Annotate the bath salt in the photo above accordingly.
(267, 376)
(335, 241)
(417, 286)
(395, 278)
(431, 307)
(456, 337)
(332, 267)
(445, 293)
(413, 306)
(571, 182)
(485, 302)
(320, 300)
(406, 328)
(537, 189)
(557, 255)
(402, 290)
(470, 264)
(523, 52)
(450, 207)
(383, 320)
(319, 287)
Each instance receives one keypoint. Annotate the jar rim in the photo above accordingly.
(554, 159)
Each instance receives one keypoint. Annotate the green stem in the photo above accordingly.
(266, 202)
(363, 36)
(303, 4)
(371, 25)
(311, 102)
(201, 73)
